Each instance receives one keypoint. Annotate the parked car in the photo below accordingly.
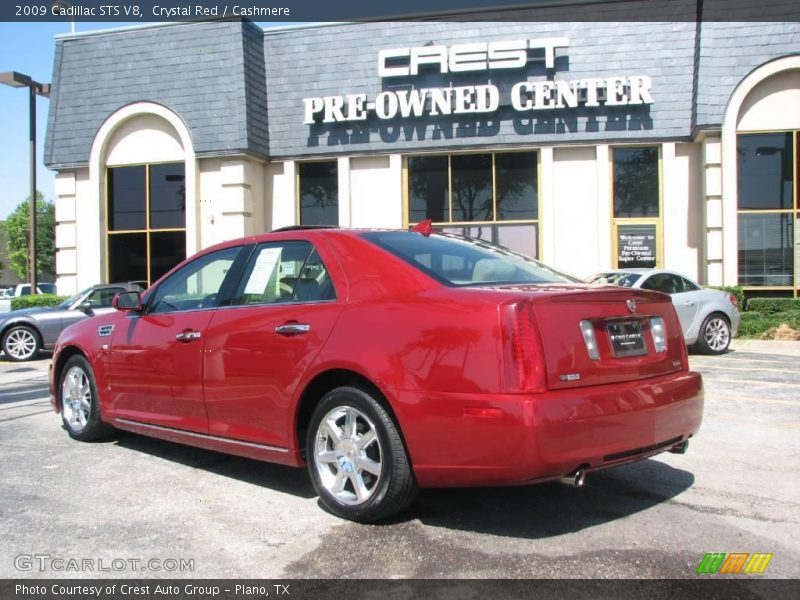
(6, 293)
(24, 289)
(26, 331)
(385, 361)
(709, 318)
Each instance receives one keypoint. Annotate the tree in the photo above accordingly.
(18, 228)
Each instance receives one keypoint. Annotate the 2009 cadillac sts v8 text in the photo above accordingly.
(385, 361)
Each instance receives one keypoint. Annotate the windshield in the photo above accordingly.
(71, 300)
(458, 261)
(621, 279)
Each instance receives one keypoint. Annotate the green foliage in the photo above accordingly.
(732, 289)
(18, 227)
(754, 324)
(36, 301)
(771, 306)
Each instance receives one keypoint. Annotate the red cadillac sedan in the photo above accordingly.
(385, 361)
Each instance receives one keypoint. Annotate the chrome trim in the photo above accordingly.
(188, 336)
(213, 438)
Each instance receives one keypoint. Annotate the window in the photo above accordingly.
(318, 191)
(769, 215)
(636, 193)
(103, 298)
(195, 285)
(489, 196)
(666, 283)
(285, 272)
(146, 221)
(458, 262)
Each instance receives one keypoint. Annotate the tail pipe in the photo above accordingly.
(680, 448)
(575, 479)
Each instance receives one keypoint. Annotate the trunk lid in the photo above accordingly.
(624, 324)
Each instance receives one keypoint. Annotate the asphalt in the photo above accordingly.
(138, 498)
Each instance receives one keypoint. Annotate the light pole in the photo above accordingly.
(14, 79)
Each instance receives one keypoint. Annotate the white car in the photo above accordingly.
(709, 318)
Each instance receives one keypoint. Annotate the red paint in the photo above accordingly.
(475, 377)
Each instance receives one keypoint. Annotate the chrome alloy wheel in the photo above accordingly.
(717, 334)
(347, 455)
(76, 399)
(21, 344)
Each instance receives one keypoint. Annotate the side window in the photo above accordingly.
(195, 285)
(103, 298)
(314, 283)
(664, 282)
(688, 286)
(272, 273)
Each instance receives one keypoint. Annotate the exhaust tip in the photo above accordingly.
(575, 479)
(680, 448)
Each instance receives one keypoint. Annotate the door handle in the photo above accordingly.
(290, 329)
(188, 336)
(689, 303)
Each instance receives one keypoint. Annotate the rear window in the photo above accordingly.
(458, 261)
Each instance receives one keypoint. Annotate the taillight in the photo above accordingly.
(733, 300)
(522, 349)
(659, 333)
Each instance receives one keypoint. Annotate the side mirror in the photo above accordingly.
(85, 307)
(128, 302)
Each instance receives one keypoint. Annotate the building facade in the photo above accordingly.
(589, 145)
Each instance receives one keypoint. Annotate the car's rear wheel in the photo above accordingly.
(356, 457)
(715, 335)
(80, 404)
(21, 343)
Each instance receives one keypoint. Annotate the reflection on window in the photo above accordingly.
(319, 193)
(766, 249)
(488, 191)
(271, 274)
(146, 221)
(765, 174)
(636, 186)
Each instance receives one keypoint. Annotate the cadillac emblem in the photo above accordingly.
(631, 305)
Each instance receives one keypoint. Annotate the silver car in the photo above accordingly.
(709, 318)
(26, 331)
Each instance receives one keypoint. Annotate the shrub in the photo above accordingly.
(35, 301)
(771, 306)
(735, 290)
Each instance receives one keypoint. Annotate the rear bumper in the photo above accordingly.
(482, 439)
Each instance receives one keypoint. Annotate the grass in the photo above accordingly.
(755, 325)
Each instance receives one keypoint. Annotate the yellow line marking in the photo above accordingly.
(713, 396)
(757, 381)
(720, 359)
(751, 369)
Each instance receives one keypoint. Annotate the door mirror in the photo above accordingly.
(128, 302)
(85, 307)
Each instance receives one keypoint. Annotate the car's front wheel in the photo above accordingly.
(715, 335)
(80, 404)
(21, 343)
(356, 457)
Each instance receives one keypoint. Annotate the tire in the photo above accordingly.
(80, 404)
(363, 475)
(715, 334)
(21, 343)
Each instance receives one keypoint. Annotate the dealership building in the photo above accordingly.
(589, 145)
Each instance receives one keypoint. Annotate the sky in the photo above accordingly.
(28, 48)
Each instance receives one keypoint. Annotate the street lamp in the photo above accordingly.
(14, 79)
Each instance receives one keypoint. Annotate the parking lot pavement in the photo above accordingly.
(135, 498)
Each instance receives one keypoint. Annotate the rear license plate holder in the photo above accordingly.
(627, 338)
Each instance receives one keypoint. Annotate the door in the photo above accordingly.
(258, 348)
(156, 360)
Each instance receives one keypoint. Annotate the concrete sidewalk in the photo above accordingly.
(785, 347)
